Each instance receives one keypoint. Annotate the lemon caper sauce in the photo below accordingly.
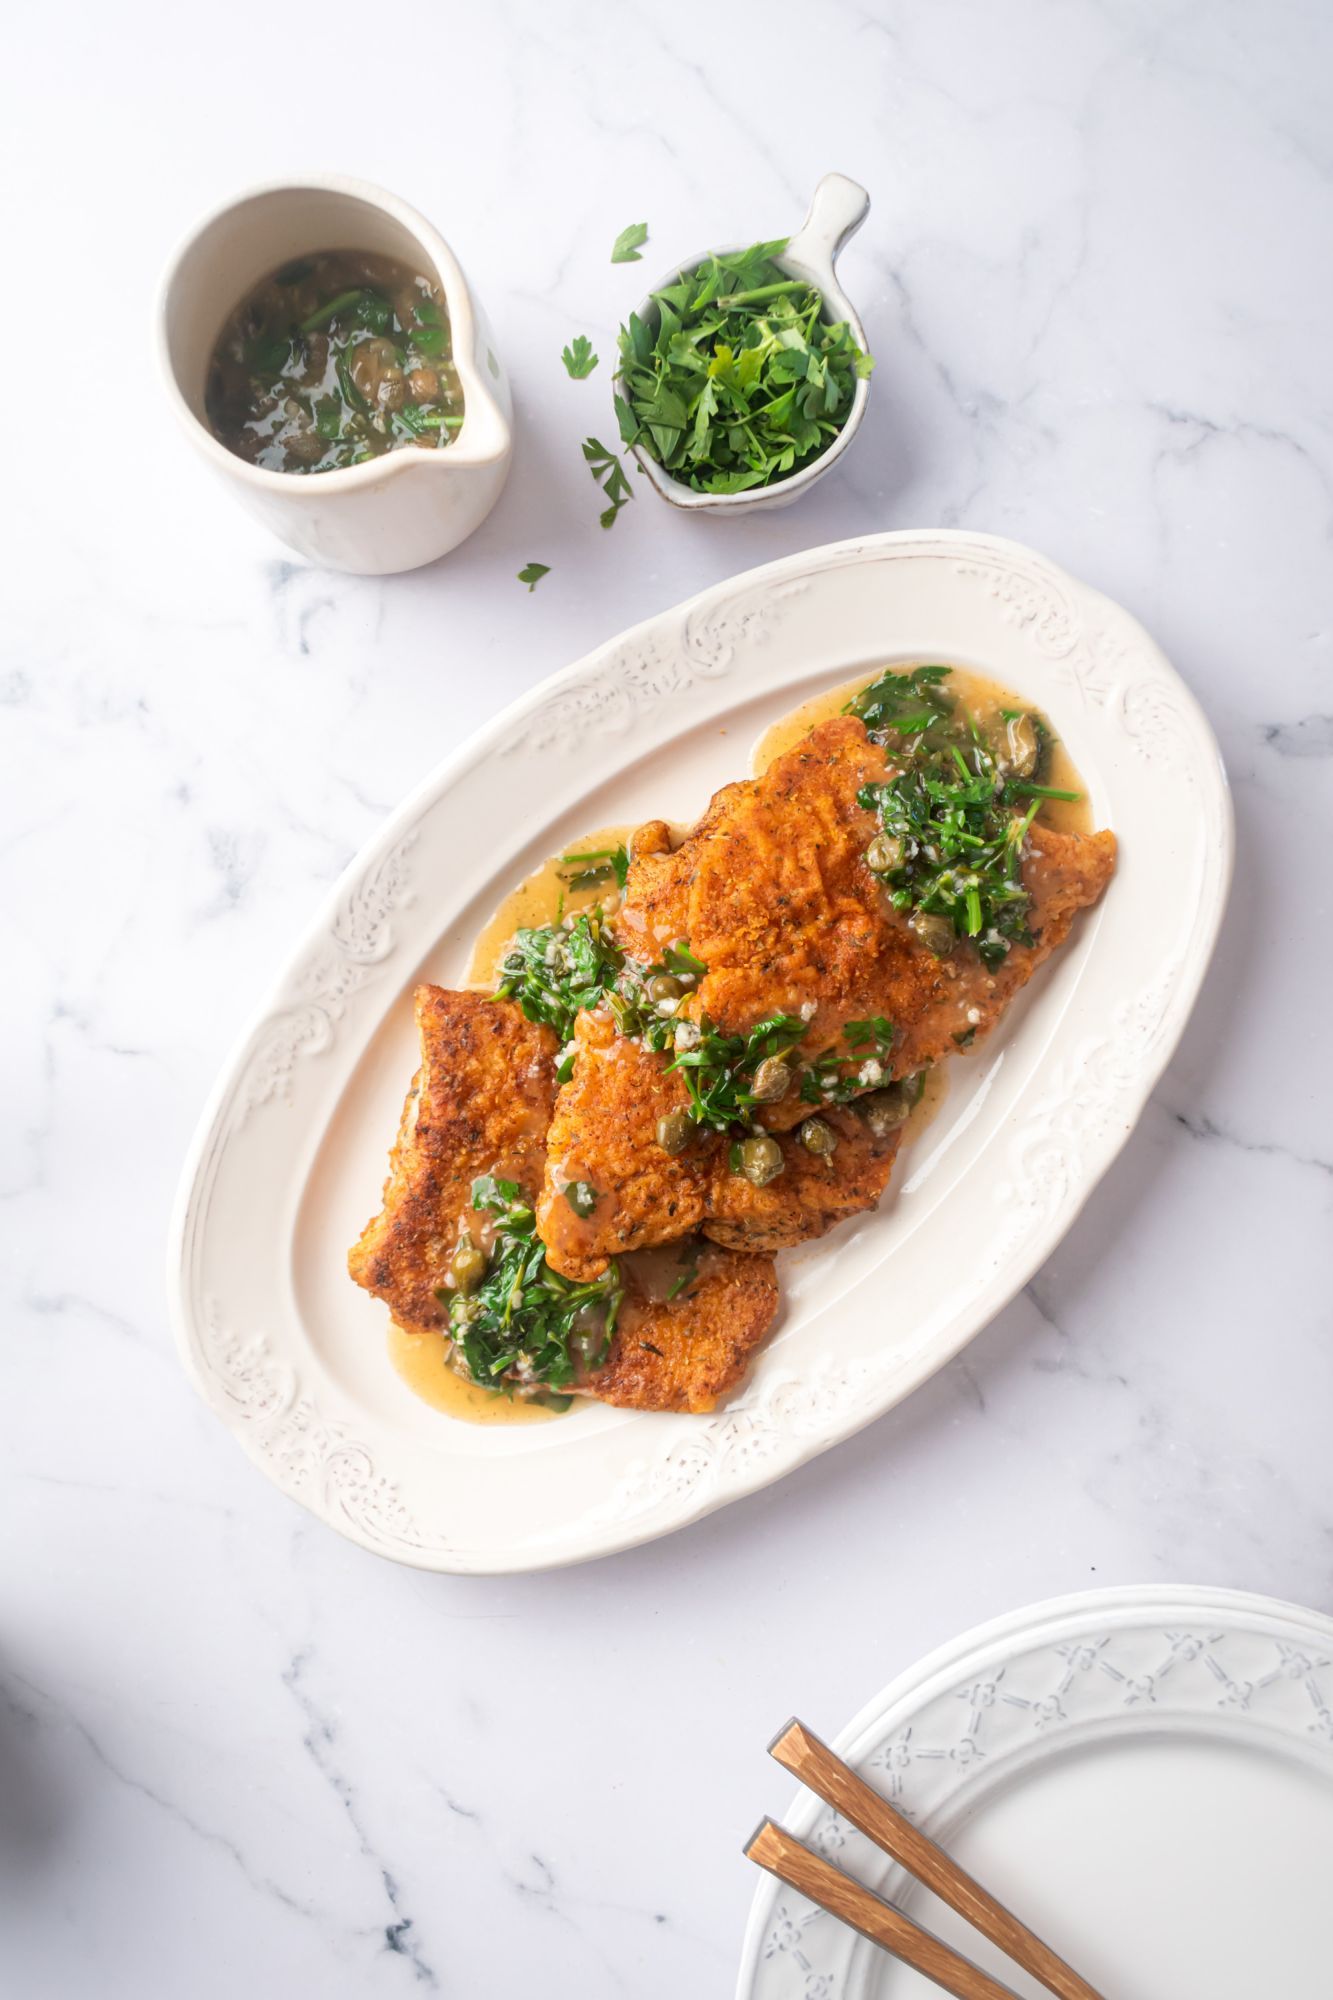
(331, 360)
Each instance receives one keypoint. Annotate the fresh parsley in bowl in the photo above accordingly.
(744, 375)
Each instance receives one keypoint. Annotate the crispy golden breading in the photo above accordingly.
(772, 892)
(604, 1132)
(480, 1103)
(811, 1195)
(779, 904)
(686, 1353)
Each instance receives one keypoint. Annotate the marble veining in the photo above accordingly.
(236, 1754)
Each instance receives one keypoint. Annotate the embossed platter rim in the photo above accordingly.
(1020, 1709)
(290, 1153)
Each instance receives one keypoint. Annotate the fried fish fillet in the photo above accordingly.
(604, 1132)
(687, 1353)
(778, 902)
(772, 891)
(480, 1103)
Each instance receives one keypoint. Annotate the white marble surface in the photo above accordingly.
(237, 1755)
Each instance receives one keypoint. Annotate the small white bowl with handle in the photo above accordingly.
(391, 513)
(837, 209)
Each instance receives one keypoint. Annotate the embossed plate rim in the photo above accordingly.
(1107, 1022)
(1192, 1622)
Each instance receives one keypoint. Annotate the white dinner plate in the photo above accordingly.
(1145, 1777)
(290, 1157)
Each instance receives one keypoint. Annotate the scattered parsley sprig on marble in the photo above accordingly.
(579, 358)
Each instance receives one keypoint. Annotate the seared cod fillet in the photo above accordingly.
(480, 1103)
(772, 891)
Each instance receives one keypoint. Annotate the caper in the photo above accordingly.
(935, 932)
(772, 1080)
(885, 1110)
(818, 1137)
(1022, 746)
(674, 1131)
(305, 446)
(761, 1159)
(664, 986)
(582, 1197)
(391, 393)
(468, 1266)
(884, 854)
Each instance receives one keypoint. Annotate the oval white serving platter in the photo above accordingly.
(291, 1154)
(1145, 1776)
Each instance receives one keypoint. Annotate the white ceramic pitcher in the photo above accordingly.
(390, 513)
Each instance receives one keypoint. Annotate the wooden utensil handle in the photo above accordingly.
(794, 1863)
(802, 1753)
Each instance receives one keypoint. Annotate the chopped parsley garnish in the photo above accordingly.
(720, 1070)
(524, 1321)
(557, 971)
(899, 706)
(955, 816)
(683, 1283)
(579, 358)
(532, 573)
(554, 971)
(742, 380)
(836, 1079)
(611, 476)
(599, 864)
(629, 243)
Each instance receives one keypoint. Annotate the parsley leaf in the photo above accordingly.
(683, 1283)
(554, 972)
(610, 475)
(628, 243)
(598, 864)
(532, 573)
(835, 1079)
(737, 379)
(579, 358)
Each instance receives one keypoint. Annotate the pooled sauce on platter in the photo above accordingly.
(544, 897)
(986, 699)
(420, 1360)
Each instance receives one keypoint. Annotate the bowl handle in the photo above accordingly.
(837, 209)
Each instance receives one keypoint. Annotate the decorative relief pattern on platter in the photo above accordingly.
(360, 937)
(309, 1458)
